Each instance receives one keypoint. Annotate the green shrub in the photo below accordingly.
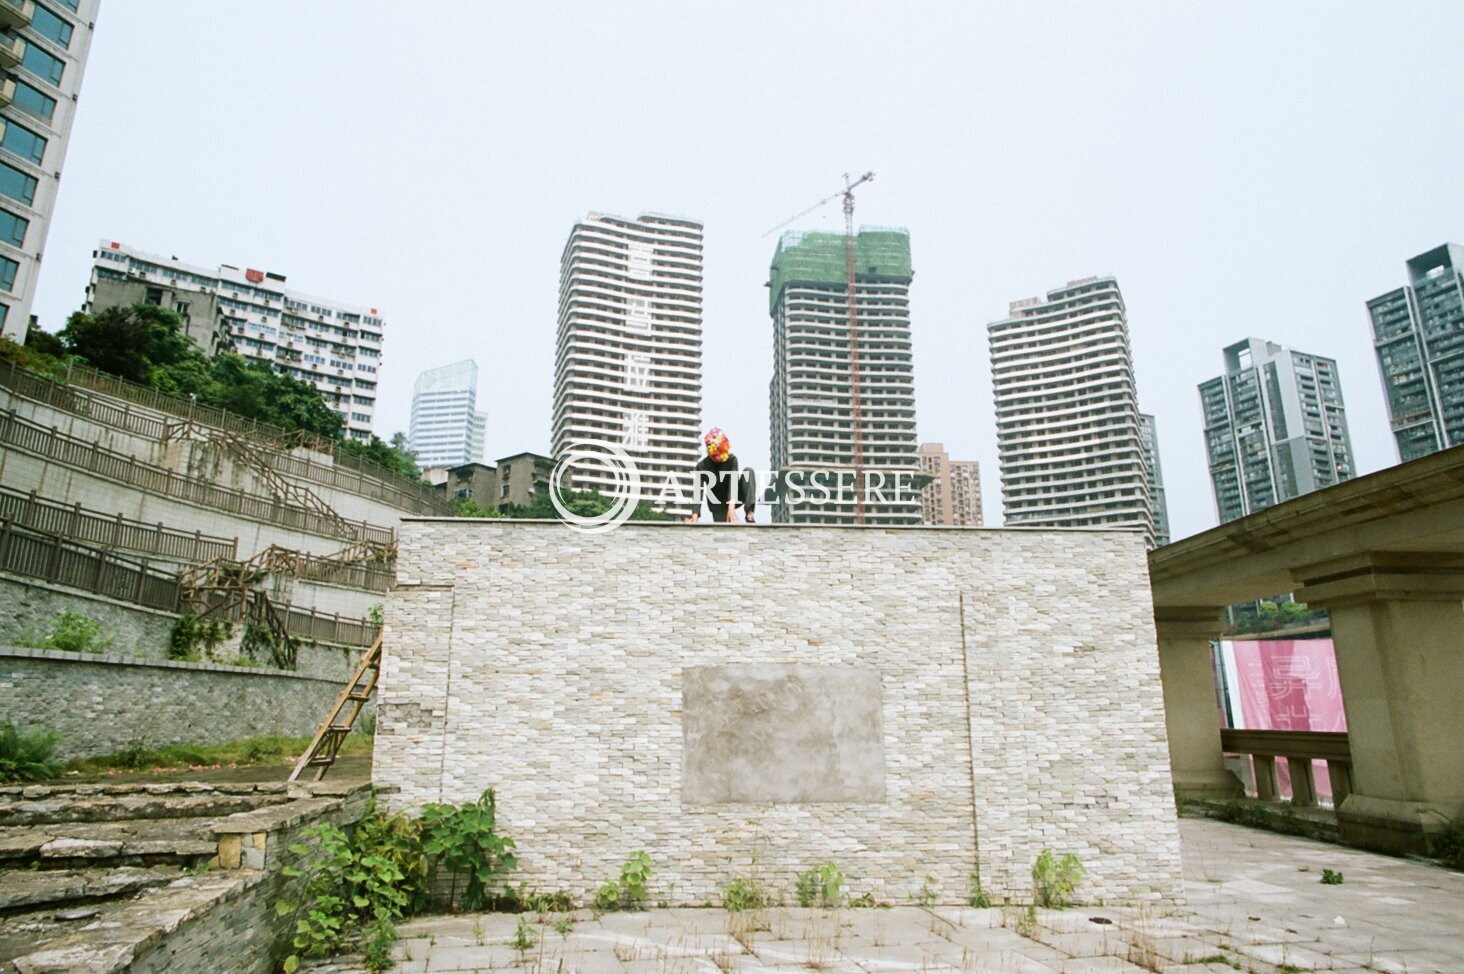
(742, 894)
(629, 892)
(76, 633)
(979, 899)
(1331, 878)
(25, 755)
(821, 886)
(190, 633)
(1448, 842)
(464, 840)
(1054, 880)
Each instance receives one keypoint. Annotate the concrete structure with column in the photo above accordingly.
(811, 396)
(43, 51)
(953, 496)
(1418, 331)
(1068, 432)
(1275, 427)
(628, 364)
(333, 346)
(1384, 555)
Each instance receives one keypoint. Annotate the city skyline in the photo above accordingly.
(1176, 189)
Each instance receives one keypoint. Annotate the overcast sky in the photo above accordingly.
(1243, 170)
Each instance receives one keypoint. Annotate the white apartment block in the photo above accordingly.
(43, 49)
(1149, 436)
(811, 393)
(447, 430)
(628, 363)
(1067, 412)
(335, 347)
(953, 496)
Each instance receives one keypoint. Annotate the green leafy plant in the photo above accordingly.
(1447, 843)
(25, 755)
(1054, 880)
(742, 894)
(376, 614)
(545, 903)
(1027, 923)
(978, 898)
(929, 892)
(523, 936)
(73, 632)
(356, 886)
(260, 643)
(190, 633)
(133, 755)
(464, 840)
(629, 892)
(821, 886)
(564, 926)
(1331, 878)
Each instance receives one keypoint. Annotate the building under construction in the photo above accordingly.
(819, 406)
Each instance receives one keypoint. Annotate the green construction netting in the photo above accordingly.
(817, 257)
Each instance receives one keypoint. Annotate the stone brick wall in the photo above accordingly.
(101, 703)
(1019, 705)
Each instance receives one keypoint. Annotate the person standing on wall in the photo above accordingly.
(722, 482)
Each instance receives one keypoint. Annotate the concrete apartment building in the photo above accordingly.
(514, 481)
(1418, 331)
(1149, 436)
(334, 346)
(446, 428)
(1275, 427)
(810, 396)
(953, 496)
(43, 50)
(1069, 437)
(627, 368)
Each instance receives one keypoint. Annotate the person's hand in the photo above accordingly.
(693, 517)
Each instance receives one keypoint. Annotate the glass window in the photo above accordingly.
(42, 65)
(51, 27)
(33, 101)
(23, 142)
(8, 269)
(12, 228)
(69, 3)
(17, 185)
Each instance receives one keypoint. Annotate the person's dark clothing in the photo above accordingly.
(726, 478)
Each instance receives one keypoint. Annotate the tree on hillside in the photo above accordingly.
(130, 342)
(585, 503)
(254, 389)
(388, 456)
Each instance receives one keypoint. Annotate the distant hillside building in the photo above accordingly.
(336, 347)
(1275, 427)
(627, 368)
(1418, 331)
(953, 496)
(1068, 431)
(811, 414)
(446, 428)
(1149, 436)
(514, 481)
(43, 51)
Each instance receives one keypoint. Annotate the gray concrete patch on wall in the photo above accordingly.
(774, 732)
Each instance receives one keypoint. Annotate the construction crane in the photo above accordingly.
(854, 411)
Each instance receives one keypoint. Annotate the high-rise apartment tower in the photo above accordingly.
(447, 430)
(1275, 427)
(43, 49)
(1149, 436)
(953, 496)
(627, 370)
(1418, 331)
(333, 346)
(811, 416)
(1067, 412)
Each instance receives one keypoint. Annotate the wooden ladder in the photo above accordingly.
(321, 753)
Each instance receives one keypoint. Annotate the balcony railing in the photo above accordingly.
(1299, 749)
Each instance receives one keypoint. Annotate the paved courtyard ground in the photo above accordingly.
(1256, 903)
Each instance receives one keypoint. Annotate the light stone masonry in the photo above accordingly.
(1018, 695)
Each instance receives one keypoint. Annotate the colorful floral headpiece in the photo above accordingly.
(719, 448)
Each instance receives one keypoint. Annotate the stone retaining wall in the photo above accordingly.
(735, 701)
(100, 704)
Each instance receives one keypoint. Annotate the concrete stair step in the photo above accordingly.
(65, 845)
(29, 889)
(48, 805)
